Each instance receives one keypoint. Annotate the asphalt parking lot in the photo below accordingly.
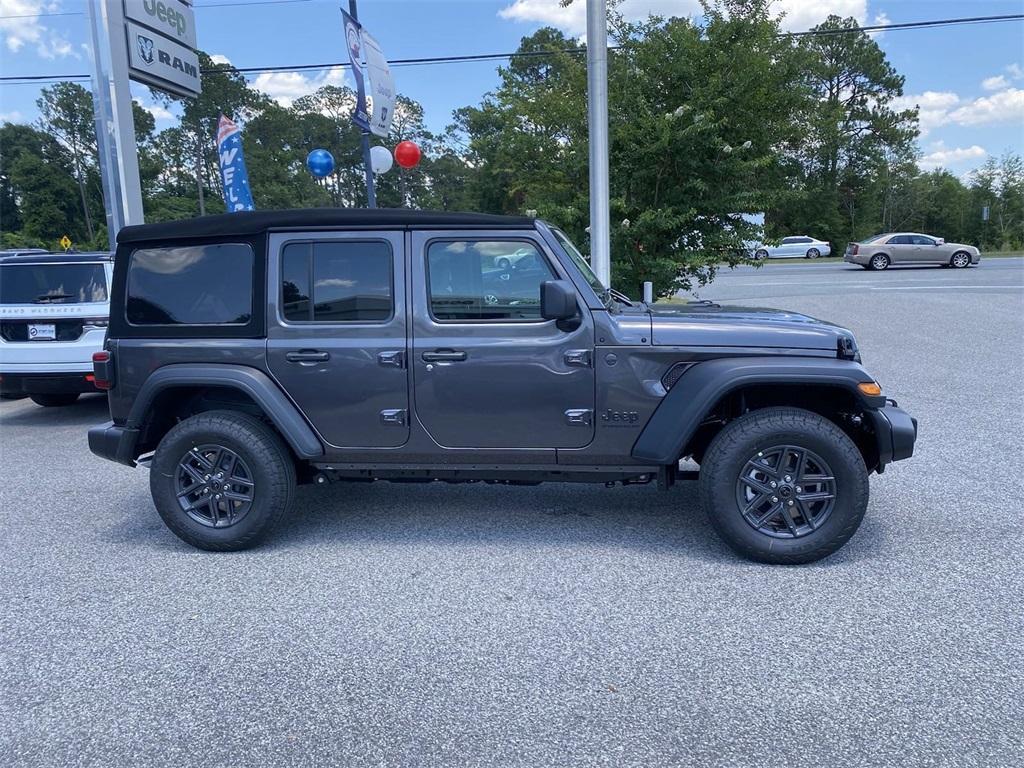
(559, 625)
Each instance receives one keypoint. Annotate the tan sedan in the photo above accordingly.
(879, 251)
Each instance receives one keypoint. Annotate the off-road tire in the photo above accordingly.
(258, 445)
(55, 401)
(741, 439)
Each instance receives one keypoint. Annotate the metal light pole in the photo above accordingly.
(371, 192)
(115, 126)
(597, 119)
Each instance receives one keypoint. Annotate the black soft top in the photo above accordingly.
(55, 258)
(247, 223)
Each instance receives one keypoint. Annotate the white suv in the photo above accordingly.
(54, 309)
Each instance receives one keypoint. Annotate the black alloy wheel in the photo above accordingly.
(786, 491)
(214, 485)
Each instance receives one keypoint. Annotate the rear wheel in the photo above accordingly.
(222, 480)
(880, 261)
(960, 260)
(813, 253)
(54, 401)
(784, 485)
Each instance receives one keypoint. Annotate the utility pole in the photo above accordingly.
(371, 193)
(597, 120)
(115, 126)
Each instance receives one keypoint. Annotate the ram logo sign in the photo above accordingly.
(162, 62)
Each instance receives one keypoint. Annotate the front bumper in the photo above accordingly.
(895, 431)
(47, 383)
(109, 441)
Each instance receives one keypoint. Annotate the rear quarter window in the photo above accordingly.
(190, 285)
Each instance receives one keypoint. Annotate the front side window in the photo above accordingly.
(486, 279)
(922, 240)
(191, 285)
(790, 240)
(336, 282)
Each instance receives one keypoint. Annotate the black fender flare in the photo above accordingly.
(257, 385)
(681, 411)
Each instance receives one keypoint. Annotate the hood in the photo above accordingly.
(711, 325)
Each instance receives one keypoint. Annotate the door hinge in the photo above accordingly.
(580, 358)
(579, 417)
(391, 358)
(393, 417)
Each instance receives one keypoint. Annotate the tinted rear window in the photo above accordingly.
(191, 285)
(52, 284)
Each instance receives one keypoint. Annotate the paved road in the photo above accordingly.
(435, 626)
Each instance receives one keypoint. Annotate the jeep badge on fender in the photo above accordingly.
(252, 351)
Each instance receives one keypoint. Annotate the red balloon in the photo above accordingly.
(407, 154)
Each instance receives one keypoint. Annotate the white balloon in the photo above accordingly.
(381, 159)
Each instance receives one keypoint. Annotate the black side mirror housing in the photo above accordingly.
(557, 300)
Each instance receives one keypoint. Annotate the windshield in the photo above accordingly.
(579, 260)
(52, 283)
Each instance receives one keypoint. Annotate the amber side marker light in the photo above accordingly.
(870, 388)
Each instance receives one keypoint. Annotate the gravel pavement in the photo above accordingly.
(559, 625)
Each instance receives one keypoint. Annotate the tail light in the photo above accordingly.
(102, 370)
(854, 249)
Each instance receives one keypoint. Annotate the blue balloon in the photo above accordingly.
(320, 162)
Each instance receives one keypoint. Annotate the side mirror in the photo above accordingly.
(940, 241)
(557, 300)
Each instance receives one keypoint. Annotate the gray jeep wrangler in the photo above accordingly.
(250, 352)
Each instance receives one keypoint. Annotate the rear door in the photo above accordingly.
(488, 371)
(336, 331)
(899, 248)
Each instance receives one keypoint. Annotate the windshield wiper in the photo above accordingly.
(618, 296)
(52, 296)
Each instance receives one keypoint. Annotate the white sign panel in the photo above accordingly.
(158, 61)
(171, 18)
(382, 86)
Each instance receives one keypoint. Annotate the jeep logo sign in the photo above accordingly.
(171, 18)
(161, 62)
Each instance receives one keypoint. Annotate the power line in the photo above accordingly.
(31, 79)
(197, 7)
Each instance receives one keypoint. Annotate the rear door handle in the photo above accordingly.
(444, 356)
(307, 356)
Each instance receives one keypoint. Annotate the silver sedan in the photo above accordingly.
(879, 251)
(794, 247)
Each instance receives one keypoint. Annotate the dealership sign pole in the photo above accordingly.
(597, 119)
(152, 42)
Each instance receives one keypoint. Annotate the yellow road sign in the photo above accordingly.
(65, 242)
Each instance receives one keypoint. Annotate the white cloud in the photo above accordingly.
(286, 87)
(219, 58)
(1015, 71)
(1001, 107)
(21, 25)
(995, 83)
(933, 107)
(573, 19)
(159, 112)
(10, 117)
(799, 14)
(942, 157)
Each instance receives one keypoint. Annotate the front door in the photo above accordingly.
(488, 371)
(336, 331)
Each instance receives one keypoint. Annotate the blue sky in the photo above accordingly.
(968, 80)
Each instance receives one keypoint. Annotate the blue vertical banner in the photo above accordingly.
(235, 178)
(354, 45)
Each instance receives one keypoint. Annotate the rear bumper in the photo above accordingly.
(896, 432)
(46, 383)
(109, 441)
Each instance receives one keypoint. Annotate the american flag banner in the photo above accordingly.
(237, 194)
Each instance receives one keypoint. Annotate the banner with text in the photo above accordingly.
(237, 194)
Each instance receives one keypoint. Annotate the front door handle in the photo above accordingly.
(307, 356)
(444, 356)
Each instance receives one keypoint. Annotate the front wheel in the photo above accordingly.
(960, 260)
(784, 485)
(761, 255)
(222, 480)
